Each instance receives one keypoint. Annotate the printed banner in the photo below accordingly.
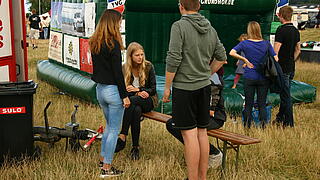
(4, 73)
(89, 19)
(5, 33)
(56, 18)
(55, 46)
(73, 18)
(280, 4)
(71, 51)
(85, 56)
(116, 5)
(283, 3)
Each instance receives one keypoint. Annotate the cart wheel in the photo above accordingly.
(74, 144)
(36, 153)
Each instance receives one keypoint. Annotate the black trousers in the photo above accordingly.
(252, 87)
(132, 117)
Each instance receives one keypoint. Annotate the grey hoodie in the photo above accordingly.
(193, 43)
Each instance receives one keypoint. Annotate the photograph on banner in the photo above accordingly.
(73, 18)
(71, 51)
(123, 27)
(56, 18)
(55, 46)
(116, 5)
(89, 19)
(85, 56)
(123, 52)
(5, 33)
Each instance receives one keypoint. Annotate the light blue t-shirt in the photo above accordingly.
(254, 52)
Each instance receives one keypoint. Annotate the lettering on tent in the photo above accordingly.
(218, 2)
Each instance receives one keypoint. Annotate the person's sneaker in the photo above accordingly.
(100, 164)
(215, 161)
(120, 145)
(112, 172)
(135, 155)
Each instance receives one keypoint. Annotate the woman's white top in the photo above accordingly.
(135, 82)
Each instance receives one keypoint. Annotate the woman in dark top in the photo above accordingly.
(255, 48)
(105, 45)
(141, 86)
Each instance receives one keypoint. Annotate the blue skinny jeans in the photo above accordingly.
(113, 110)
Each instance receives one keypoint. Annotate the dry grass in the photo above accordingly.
(291, 153)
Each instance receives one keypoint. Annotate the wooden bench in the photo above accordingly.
(230, 140)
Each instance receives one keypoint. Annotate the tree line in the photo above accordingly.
(45, 5)
(304, 2)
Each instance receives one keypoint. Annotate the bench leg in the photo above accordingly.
(224, 157)
(237, 156)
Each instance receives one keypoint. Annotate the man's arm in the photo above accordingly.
(167, 86)
(297, 51)
(173, 59)
(216, 65)
(276, 47)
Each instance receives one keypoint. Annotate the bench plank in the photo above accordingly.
(233, 138)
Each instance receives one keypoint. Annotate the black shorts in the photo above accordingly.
(190, 109)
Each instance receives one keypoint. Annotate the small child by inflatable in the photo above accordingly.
(240, 64)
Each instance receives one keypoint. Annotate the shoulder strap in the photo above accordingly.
(267, 44)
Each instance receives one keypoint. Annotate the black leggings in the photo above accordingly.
(132, 116)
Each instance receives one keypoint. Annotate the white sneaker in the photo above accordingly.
(215, 160)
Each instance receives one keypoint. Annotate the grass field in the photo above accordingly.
(291, 153)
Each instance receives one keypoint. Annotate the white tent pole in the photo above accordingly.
(39, 7)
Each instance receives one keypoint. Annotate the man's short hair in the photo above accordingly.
(286, 13)
(34, 11)
(190, 5)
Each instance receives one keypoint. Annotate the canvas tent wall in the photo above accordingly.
(149, 23)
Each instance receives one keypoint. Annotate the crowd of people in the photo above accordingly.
(194, 78)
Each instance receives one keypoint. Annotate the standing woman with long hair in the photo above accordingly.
(255, 48)
(140, 82)
(105, 46)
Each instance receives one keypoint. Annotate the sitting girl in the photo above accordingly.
(140, 83)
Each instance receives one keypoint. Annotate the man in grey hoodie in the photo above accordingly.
(194, 43)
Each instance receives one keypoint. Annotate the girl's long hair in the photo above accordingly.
(254, 31)
(107, 30)
(133, 47)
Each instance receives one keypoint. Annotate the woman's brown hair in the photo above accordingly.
(254, 31)
(107, 30)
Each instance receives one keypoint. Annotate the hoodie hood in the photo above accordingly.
(199, 22)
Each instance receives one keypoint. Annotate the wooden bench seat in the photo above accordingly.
(230, 140)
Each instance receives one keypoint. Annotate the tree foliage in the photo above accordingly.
(45, 5)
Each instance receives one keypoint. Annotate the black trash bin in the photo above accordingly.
(16, 120)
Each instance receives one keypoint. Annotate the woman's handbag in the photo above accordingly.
(267, 66)
(271, 69)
